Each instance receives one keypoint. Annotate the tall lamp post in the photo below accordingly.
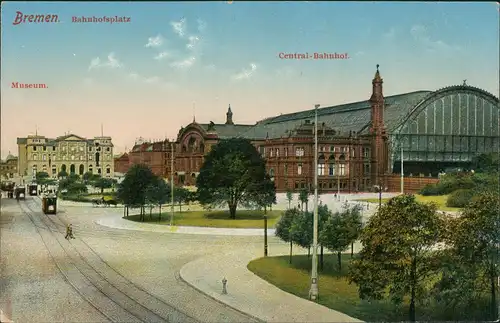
(313, 293)
(402, 172)
(265, 231)
(378, 188)
(172, 183)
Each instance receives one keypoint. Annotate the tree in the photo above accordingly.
(476, 238)
(157, 194)
(302, 230)
(338, 232)
(73, 177)
(181, 195)
(397, 251)
(90, 177)
(62, 174)
(283, 228)
(304, 198)
(160, 195)
(289, 197)
(72, 186)
(486, 162)
(354, 222)
(132, 190)
(230, 174)
(103, 183)
(42, 177)
(264, 193)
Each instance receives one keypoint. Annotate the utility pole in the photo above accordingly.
(313, 293)
(171, 183)
(402, 172)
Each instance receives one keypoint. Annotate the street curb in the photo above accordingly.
(214, 298)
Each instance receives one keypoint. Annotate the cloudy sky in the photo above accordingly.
(148, 77)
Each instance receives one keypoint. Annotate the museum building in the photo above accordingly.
(69, 153)
(360, 144)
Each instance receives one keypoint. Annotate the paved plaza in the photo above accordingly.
(118, 270)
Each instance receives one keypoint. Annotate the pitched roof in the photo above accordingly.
(226, 131)
(342, 118)
(70, 135)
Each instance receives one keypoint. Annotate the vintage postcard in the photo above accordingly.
(249, 161)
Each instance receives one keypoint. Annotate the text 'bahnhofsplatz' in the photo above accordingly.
(103, 19)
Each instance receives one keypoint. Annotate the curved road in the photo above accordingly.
(105, 275)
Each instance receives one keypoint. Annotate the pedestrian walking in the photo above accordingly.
(69, 232)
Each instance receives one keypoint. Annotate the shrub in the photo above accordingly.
(450, 183)
(430, 189)
(460, 198)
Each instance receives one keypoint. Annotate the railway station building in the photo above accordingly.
(361, 144)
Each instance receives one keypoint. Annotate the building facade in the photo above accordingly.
(149, 153)
(70, 153)
(8, 167)
(361, 144)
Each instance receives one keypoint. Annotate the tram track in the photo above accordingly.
(112, 294)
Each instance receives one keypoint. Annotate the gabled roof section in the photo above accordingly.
(345, 118)
(71, 137)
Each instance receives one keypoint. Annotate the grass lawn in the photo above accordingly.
(440, 200)
(335, 291)
(214, 219)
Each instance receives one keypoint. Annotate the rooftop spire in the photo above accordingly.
(377, 91)
(229, 116)
(377, 77)
(194, 112)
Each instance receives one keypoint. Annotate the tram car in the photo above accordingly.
(49, 204)
(8, 187)
(33, 189)
(20, 192)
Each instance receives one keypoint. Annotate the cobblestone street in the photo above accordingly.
(127, 275)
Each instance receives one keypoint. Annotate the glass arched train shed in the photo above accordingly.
(445, 131)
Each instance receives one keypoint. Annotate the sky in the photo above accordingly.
(166, 63)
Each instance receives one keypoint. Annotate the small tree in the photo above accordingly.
(264, 193)
(132, 190)
(42, 177)
(103, 183)
(336, 234)
(157, 195)
(304, 198)
(181, 195)
(302, 230)
(62, 174)
(354, 222)
(397, 255)
(476, 239)
(87, 177)
(289, 197)
(284, 225)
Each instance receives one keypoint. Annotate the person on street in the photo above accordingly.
(69, 232)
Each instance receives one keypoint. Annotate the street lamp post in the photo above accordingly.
(313, 293)
(171, 183)
(379, 196)
(265, 232)
(402, 172)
